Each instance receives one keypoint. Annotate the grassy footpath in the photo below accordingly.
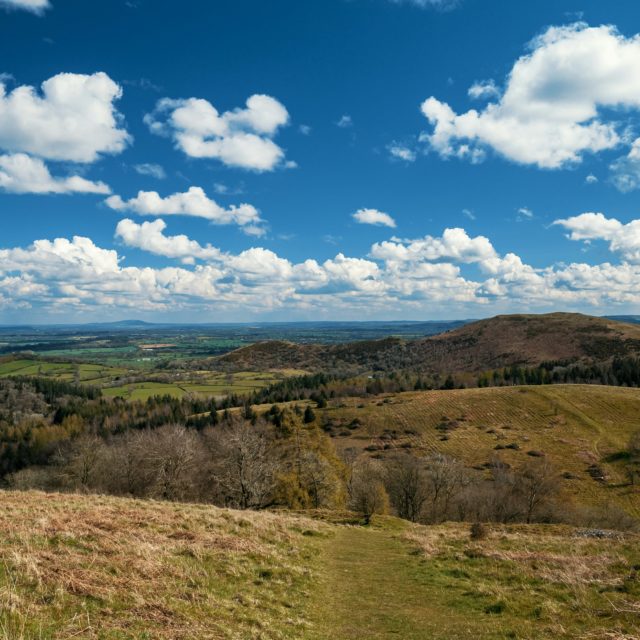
(370, 589)
(418, 583)
(103, 568)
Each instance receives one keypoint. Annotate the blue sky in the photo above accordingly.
(398, 159)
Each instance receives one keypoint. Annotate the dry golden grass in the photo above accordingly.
(98, 567)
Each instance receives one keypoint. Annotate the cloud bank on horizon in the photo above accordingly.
(573, 96)
(406, 273)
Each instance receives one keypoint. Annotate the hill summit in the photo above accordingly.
(505, 340)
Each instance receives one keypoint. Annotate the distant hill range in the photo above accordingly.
(526, 340)
(319, 331)
(630, 319)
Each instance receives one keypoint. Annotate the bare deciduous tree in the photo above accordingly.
(243, 465)
(125, 468)
(537, 482)
(444, 478)
(407, 486)
(80, 462)
(172, 458)
(367, 494)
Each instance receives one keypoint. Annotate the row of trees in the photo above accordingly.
(439, 488)
(620, 371)
(237, 464)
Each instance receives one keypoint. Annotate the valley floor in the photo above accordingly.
(111, 568)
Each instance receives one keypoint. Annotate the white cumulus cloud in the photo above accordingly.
(193, 202)
(622, 238)
(75, 275)
(625, 171)
(149, 236)
(483, 89)
(20, 173)
(240, 138)
(454, 244)
(72, 118)
(374, 217)
(552, 110)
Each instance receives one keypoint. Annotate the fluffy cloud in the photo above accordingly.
(374, 217)
(551, 112)
(19, 173)
(483, 90)
(149, 236)
(73, 118)
(78, 275)
(193, 202)
(35, 6)
(454, 244)
(239, 138)
(354, 274)
(622, 238)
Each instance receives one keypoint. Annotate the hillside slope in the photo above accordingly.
(112, 568)
(528, 340)
(580, 429)
(276, 354)
(485, 344)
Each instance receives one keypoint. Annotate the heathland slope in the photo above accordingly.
(113, 568)
(501, 341)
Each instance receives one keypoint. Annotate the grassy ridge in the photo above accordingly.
(114, 568)
(574, 426)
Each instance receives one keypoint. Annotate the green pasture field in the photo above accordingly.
(205, 384)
